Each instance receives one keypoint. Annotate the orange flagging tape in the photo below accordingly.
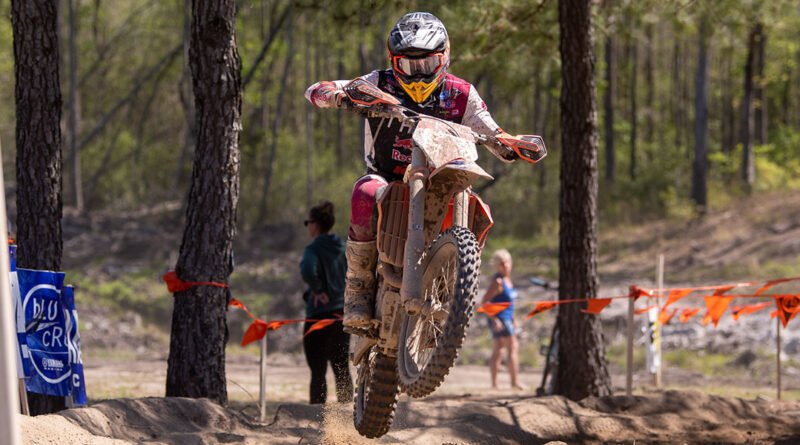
(595, 305)
(175, 284)
(492, 309)
(737, 311)
(688, 313)
(259, 328)
(716, 303)
(665, 316)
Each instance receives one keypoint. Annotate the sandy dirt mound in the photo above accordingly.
(667, 417)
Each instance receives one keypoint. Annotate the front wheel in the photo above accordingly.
(376, 394)
(429, 342)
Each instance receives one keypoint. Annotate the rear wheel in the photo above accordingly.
(376, 394)
(429, 342)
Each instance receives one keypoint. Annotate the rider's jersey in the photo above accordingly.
(387, 142)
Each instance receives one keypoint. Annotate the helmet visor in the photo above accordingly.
(418, 66)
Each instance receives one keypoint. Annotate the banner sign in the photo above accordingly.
(74, 346)
(45, 327)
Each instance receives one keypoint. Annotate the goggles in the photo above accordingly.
(425, 65)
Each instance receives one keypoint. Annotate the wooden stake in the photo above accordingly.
(660, 284)
(262, 381)
(23, 398)
(778, 342)
(629, 352)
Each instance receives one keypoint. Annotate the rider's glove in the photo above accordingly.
(325, 95)
(504, 153)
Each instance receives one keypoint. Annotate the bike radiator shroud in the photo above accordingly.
(393, 219)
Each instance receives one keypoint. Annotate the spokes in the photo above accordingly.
(428, 325)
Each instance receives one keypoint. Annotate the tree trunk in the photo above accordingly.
(728, 114)
(584, 371)
(634, 55)
(545, 123)
(675, 97)
(748, 172)
(310, 126)
(187, 101)
(759, 89)
(699, 166)
(276, 121)
(649, 82)
(609, 102)
(73, 105)
(38, 138)
(196, 364)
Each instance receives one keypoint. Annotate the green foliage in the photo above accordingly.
(508, 48)
(138, 291)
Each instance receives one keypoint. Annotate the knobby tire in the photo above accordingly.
(376, 394)
(422, 382)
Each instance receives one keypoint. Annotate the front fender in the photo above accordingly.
(447, 180)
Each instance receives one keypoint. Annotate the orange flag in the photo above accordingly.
(595, 305)
(642, 311)
(272, 325)
(677, 294)
(688, 313)
(738, 311)
(256, 331)
(236, 303)
(175, 284)
(636, 292)
(716, 303)
(541, 307)
(788, 306)
(322, 324)
(664, 316)
(493, 309)
(706, 319)
(771, 283)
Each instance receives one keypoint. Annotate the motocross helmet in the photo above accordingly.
(419, 49)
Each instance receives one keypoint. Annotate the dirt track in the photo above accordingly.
(463, 411)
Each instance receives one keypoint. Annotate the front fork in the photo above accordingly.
(411, 290)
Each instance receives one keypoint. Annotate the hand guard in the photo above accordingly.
(502, 152)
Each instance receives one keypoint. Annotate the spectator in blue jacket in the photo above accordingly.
(323, 268)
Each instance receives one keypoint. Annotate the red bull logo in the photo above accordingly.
(402, 143)
(400, 157)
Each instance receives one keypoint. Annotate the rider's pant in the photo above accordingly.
(363, 219)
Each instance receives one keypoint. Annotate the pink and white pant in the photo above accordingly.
(362, 206)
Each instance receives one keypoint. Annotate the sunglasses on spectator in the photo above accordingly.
(308, 221)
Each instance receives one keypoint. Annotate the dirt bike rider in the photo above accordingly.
(419, 50)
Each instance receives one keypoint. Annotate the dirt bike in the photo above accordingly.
(431, 228)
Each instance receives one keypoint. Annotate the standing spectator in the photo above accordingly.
(503, 325)
(323, 268)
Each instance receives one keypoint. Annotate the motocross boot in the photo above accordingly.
(360, 280)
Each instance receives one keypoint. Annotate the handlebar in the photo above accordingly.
(365, 98)
(394, 111)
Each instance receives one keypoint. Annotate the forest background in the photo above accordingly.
(128, 116)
